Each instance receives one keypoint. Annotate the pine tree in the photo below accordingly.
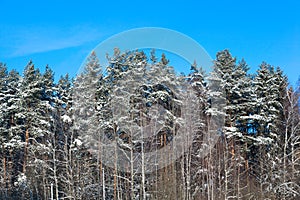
(4, 124)
(65, 137)
(86, 123)
(192, 161)
(10, 140)
(14, 144)
(34, 128)
(266, 120)
(238, 93)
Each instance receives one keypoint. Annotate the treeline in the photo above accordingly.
(53, 135)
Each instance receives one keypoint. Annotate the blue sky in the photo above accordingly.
(62, 33)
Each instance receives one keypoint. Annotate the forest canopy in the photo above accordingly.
(53, 135)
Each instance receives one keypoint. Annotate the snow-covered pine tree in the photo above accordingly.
(10, 139)
(33, 126)
(223, 69)
(63, 105)
(3, 102)
(86, 127)
(85, 87)
(267, 105)
(4, 134)
(193, 169)
(243, 96)
(14, 145)
(65, 137)
(277, 152)
(266, 134)
(236, 87)
(50, 140)
(118, 118)
(164, 92)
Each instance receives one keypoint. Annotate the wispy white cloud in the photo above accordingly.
(20, 41)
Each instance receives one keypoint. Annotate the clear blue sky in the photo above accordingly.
(62, 33)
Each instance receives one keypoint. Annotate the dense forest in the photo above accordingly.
(53, 135)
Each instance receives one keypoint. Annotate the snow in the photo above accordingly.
(77, 142)
(66, 119)
(22, 179)
(256, 117)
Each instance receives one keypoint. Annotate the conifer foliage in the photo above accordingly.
(89, 138)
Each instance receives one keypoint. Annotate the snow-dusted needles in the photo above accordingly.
(135, 111)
